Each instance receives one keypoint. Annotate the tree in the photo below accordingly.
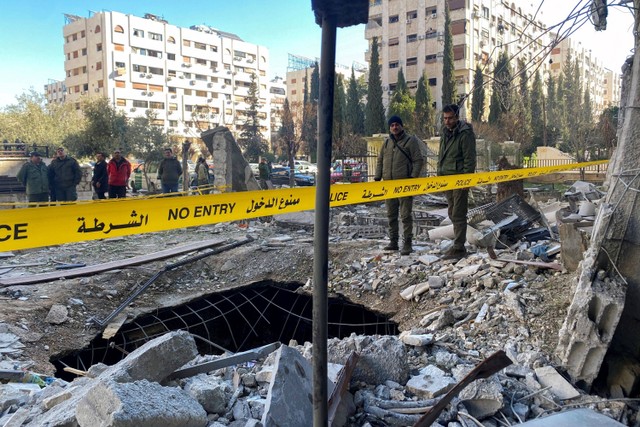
(354, 115)
(607, 132)
(251, 139)
(424, 112)
(402, 103)
(288, 137)
(32, 120)
(339, 110)
(552, 112)
(448, 68)
(537, 113)
(501, 98)
(145, 140)
(477, 103)
(374, 111)
(522, 109)
(310, 114)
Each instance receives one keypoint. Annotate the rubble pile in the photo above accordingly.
(510, 293)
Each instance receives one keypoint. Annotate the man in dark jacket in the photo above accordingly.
(35, 177)
(169, 172)
(457, 155)
(400, 158)
(100, 179)
(64, 176)
(119, 171)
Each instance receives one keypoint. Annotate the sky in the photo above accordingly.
(31, 41)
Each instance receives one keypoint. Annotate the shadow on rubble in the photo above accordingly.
(235, 320)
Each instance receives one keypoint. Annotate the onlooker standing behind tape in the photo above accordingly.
(457, 155)
(64, 176)
(400, 157)
(119, 170)
(35, 177)
(100, 179)
(169, 172)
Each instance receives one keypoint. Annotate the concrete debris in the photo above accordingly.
(578, 417)
(57, 315)
(549, 377)
(430, 382)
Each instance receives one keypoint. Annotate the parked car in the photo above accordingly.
(304, 166)
(349, 172)
(280, 176)
(152, 184)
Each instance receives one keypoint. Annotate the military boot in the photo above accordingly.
(392, 246)
(406, 247)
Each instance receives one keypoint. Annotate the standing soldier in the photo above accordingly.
(64, 176)
(457, 155)
(100, 179)
(400, 158)
(119, 170)
(35, 177)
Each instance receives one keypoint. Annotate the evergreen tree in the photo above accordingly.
(251, 139)
(501, 98)
(374, 111)
(477, 104)
(552, 112)
(402, 103)
(289, 141)
(354, 113)
(309, 121)
(448, 68)
(537, 113)
(314, 94)
(522, 108)
(424, 113)
(339, 110)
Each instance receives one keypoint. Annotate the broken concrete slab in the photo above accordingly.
(561, 388)
(138, 404)
(57, 315)
(211, 392)
(416, 340)
(578, 417)
(413, 291)
(290, 392)
(430, 382)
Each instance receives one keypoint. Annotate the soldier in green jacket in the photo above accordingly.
(457, 155)
(34, 175)
(400, 158)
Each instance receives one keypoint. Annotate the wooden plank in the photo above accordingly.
(111, 265)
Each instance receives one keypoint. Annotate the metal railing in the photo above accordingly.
(22, 150)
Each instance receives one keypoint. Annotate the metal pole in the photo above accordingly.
(321, 233)
(185, 165)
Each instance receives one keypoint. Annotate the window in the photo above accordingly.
(68, 56)
(188, 108)
(100, 83)
(155, 88)
(187, 91)
(76, 71)
(139, 68)
(431, 33)
(430, 58)
(186, 43)
(156, 105)
(187, 75)
(99, 65)
(84, 51)
(97, 30)
(75, 54)
(82, 34)
(173, 106)
(200, 46)
(118, 29)
(394, 42)
(138, 33)
(84, 69)
(227, 81)
(154, 53)
(213, 48)
(227, 66)
(239, 54)
(171, 56)
(120, 102)
(120, 64)
(157, 71)
(412, 38)
(201, 93)
(118, 47)
(74, 37)
(171, 40)
(201, 61)
(201, 77)
(85, 87)
(186, 59)
(393, 19)
(99, 47)
(412, 61)
(68, 73)
(433, 81)
(173, 123)
(140, 104)
(140, 86)
(119, 83)
(155, 36)
(485, 12)
(293, 91)
(172, 89)
(412, 14)
(394, 64)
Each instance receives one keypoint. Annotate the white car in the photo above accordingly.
(305, 166)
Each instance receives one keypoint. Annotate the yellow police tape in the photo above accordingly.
(101, 219)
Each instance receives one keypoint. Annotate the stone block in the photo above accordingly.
(211, 392)
(430, 382)
(57, 314)
(482, 398)
(416, 340)
(561, 388)
(155, 360)
(290, 394)
(138, 404)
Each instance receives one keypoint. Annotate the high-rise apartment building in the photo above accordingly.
(410, 36)
(191, 78)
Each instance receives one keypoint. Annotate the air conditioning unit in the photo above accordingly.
(420, 36)
(215, 70)
(181, 77)
(192, 82)
(169, 78)
(186, 64)
(408, 21)
(385, 87)
(223, 86)
(149, 93)
(475, 14)
(173, 96)
(209, 84)
(149, 75)
(237, 58)
(250, 61)
(133, 109)
(434, 15)
(169, 113)
(228, 101)
(228, 71)
(209, 99)
(82, 93)
(97, 89)
(482, 43)
(142, 74)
